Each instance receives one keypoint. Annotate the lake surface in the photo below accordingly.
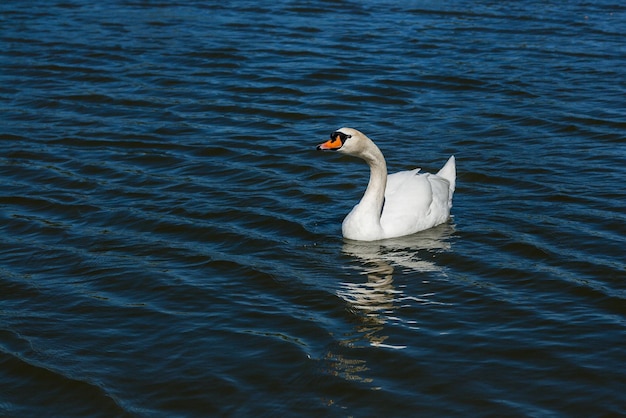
(170, 240)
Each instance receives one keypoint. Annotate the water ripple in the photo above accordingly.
(171, 239)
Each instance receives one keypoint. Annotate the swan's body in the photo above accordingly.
(399, 204)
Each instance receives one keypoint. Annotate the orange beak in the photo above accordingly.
(331, 144)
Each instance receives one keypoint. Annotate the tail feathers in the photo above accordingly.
(448, 172)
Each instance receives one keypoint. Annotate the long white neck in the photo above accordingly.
(363, 222)
(374, 196)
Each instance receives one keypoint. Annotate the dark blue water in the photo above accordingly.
(170, 241)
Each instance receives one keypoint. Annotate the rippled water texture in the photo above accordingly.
(170, 240)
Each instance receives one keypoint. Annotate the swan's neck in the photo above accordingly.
(363, 222)
(374, 196)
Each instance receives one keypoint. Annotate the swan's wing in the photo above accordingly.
(397, 180)
(414, 202)
(408, 197)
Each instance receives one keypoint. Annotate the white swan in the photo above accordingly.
(401, 204)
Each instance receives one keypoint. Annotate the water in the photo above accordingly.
(170, 239)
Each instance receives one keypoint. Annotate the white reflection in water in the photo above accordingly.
(376, 300)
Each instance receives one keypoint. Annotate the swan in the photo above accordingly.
(402, 203)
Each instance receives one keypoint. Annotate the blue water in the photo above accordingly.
(170, 240)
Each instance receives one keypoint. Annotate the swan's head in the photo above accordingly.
(346, 140)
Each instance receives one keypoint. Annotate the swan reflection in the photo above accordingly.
(375, 301)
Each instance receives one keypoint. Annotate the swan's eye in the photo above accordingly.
(341, 136)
